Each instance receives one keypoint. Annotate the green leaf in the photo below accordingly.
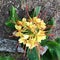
(31, 13)
(13, 14)
(6, 58)
(9, 24)
(54, 49)
(32, 54)
(57, 40)
(12, 18)
(50, 23)
(1, 58)
(36, 11)
(47, 56)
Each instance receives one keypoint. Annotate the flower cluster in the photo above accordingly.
(30, 31)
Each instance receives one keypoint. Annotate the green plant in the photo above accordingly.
(53, 52)
(12, 18)
(6, 58)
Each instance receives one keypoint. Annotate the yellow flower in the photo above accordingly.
(25, 36)
(17, 34)
(22, 40)
(19, 23)
(42, 24)
(39, 23)
(31, 26)
(36, 20)
(18, 27)
(40, 36)
(24, 20)
(29, 23)
(36, 25)
(31, 44)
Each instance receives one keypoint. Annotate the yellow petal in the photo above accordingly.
(36, 20)
(19, 23)
(17, 34)
(40, 38)
(24, 19)
(30, 44)
(41, 32)
(21, 40)
(18, 27)
(26, 36)
(43, 25)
